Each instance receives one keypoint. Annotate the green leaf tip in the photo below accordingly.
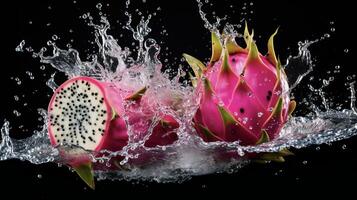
(278, 107)
(248, 38)
(85, 171)
(114, 114)
(233, 47)
(208, 133)
(226, 68)
(207, 86)
(275, 157)
(228, 119)
(285, 152)
(193, 79)
(271, 52)
(197, 66)
(264, 137)
(292, 106)
(253, 53)
(216, 48)
(137, 95)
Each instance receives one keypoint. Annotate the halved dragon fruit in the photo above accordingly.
(244, 95)
(87, 113)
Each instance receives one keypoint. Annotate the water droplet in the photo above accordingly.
(16, 98)
(49, 43)
(30, 75)
(318, 148)
(344, 147)
(20, 47)
(325, 82)
(54, 37)
(348, 78)
(304, 162)
(245, 120)
(30, 22)
(260, 114)
(18, 81)
(39, 176)
(240, 152)
(337, 67)
(16, 113)
(332, 22)
(332, 29)
(42, 67)
(327, 35)
(346, 50)
(99, 6)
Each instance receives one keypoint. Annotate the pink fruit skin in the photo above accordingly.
(249, 98)
(116, 135)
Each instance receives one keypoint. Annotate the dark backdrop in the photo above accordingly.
(331, 167)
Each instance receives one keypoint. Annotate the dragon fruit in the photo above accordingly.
(244, 95)
(87, 113)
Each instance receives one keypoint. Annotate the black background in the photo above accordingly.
(332, 167)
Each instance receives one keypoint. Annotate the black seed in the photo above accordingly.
(268, 98)
(241, 110)
(90, 138)
(270, 93)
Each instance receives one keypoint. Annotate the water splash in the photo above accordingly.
(353, 97)
(35, 149)
(190, 155)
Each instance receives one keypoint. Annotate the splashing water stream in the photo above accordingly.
(190, 155)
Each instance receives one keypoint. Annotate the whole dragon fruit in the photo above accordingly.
(89, 113)
(244, 95)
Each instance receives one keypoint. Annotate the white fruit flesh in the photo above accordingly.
(78, 114)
